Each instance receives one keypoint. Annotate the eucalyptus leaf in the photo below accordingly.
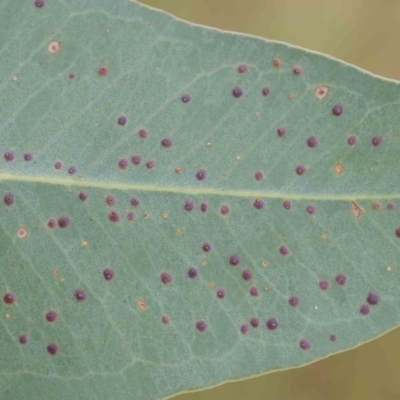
(181, 206)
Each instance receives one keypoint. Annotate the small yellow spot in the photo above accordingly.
(265, 264)
(338, 168)
(208, 144)
(178, 170)
(62, 280)
(158, 68)
(22, 232)
(55, 272)
(181, 230)
(211, 285)
(316, 308)
(84, 243)
(238, 158)
(389, 268)
(53, 47)
(141, 305)
(257, 114)
(208, 96)
(266, 288)
(146, 216)
(323, 237)
(165, 215)
(8, 316)
(290, 97)
(204, 264)
(14, 78)
(321, 91)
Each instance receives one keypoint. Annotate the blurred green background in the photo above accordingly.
(364, 33)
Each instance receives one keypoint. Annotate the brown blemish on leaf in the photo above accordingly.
(266, 288)
(190, 367)
(181, 230)
(276, 62)
(146, 216)
(141, 305)
(290, 96)
(356, 210)
(8, 316)
(265, 264)
(53, 47)
(84, 243)
(208, 144)
(165, 215)
(22, 232)
(55, 272)
(321, 91)
(375, 206)
(257, 114)
(14, 78)
(389, 268)
(323, 237)
(204, 264)
(211, 285)
(178, 170)
(338, 168)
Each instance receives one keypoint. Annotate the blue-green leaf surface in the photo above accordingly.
(168, 191)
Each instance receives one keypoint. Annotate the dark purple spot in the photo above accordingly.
(108, 274)
(27, 156)
(351, 140)
(80, 295)
(247, 274)
(113, 216)
(165, 278)
(341, 279)
(293, 301)
(82, 196)
(297, 70)
(287, 205)
(188, 206)
(110, 200)
(164, 319)
(337, 110)
(244, 328)
(242, 69)
(312, 142)
(9, 298)
(332, 338)
(130, 216)
(376, 140)
(390, 206)
(258, 204)
(258, 176)
(51, 223)
(9, 156)
(167, 142)
(39, 3)
(206, 247)
(150, 164)
(142, 133)
(276, 63)
(58, 165)
(8, 199)
(103, 71)
(237, 92)
(224, 209)
(234, 260)
(51, 316)
(135, 160)
(304, 345)
(253, 291)
(23, 339)
(364, 309)
(265, 91)
(185, 98)
(52, 349)
(372, 299)
(63, 222)
(283, 250)
(254, 322)
(220, 293)
(201, 174)
(122, 163)
(134, 201)
(300, 170)
(201, 326)
(203, 207)
(281, 131)
(396, 232)
(71, 76)
(272, 324)
(72, 170)
(310, 209)
(323, 284)
(192, 272)
(122, 120)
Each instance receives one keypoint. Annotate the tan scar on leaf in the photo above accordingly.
(356, 210)
(338, 168)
